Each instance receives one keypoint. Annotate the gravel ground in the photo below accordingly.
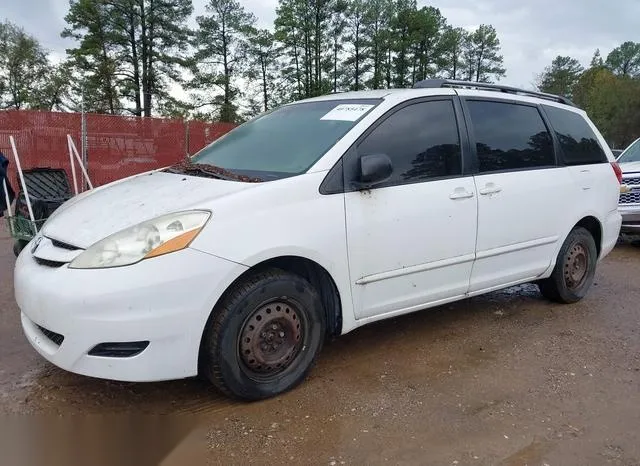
(506, 378)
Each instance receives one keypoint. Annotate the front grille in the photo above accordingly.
(61, 245)
(632, 181)
(48, 263)
(119, 350)
(53, 336)
(632, 197)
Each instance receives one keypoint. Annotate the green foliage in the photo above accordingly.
(454, 41)
(561, 76)
(625, 60)
(609, 91)
(612, 102)
(130, 50)
(24, 68)
(131, 55)
(222, 42)
(263, 69)
(482, 54)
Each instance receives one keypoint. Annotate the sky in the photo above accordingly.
(531, 32)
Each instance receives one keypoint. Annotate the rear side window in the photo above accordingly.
(421, 140)
(578, 142)
(510, 136)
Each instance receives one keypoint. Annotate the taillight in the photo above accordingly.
(617, 170)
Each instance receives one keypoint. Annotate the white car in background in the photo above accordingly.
(629, 162)
(312, 220)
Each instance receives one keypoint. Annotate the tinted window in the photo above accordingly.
(421, 140)
(286, 141)
(578, 142)
(510, 137)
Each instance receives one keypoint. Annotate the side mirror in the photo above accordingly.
(374, 169)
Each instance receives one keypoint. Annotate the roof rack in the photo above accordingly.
(438, 83)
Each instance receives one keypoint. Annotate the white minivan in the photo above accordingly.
(314, 219)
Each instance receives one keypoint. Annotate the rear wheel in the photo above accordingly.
(264, 336)
(575, 269)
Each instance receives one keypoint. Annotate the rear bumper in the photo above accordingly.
(610, 232)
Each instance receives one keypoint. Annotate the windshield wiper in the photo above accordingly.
(211, 171)
(199, 170)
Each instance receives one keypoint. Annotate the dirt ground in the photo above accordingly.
(506, 379)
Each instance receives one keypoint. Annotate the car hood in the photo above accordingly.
(96, 214)
(630, 167)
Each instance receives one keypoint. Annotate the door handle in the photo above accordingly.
(460, 193)
(490, 188)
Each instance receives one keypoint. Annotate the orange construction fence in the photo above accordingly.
(116, 146)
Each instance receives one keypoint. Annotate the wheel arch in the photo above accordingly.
(316, 274)
(593, 226)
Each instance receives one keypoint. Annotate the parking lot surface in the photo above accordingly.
(506, 378)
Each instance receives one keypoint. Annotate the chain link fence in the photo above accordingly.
(115, 146)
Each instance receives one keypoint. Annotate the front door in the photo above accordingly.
(412, 238)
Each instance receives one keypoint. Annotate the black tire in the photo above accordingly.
(569, 283)
(18, 246)
(237, 340)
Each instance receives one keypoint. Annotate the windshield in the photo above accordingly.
(286, 141)
(631, 154)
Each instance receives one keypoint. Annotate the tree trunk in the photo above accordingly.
(479, 64)
(318, 41)
(265, 92)
(135, 62)
(298, 75)
(297, 61)
(145, 57)
(307, 63)
(335, 63)
(376, 58)
(389, 61)
(357, 44)
(226, 105)
(455, 63)
(148, 97)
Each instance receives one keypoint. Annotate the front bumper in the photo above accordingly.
(165, 300)
(630, 218)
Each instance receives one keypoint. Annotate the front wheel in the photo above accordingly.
(575, 269)
(264, 336)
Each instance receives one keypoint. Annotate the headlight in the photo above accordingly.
(152, 238)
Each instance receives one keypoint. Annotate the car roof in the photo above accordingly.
(406, 94)
(370, 94)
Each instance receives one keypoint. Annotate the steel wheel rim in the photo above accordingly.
(271, 338)
(576, 266)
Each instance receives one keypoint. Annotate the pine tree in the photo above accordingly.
(377, 21)
(561, 76)
(24, 68)
(130, 48)
(401, 30)
(222, 49)
(483, 57)
(625, 60)
(453, 44)
(263, 58)
(427, 27)
(356, 60)
(597, 61)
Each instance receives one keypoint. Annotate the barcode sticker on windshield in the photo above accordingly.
(347, 112)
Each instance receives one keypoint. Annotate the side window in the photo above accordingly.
(421, 140)
(510, 136)
(578, 142)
